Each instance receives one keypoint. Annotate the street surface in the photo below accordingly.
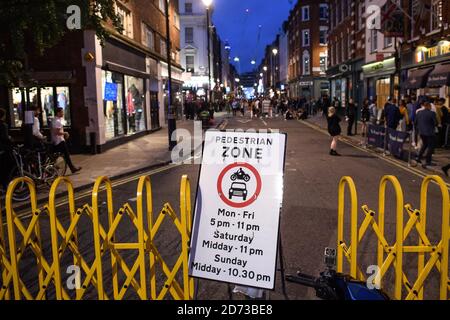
(309, 213)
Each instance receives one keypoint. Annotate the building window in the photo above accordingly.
(344, 9)
(436, 14)
(387, 42)
(362, 9)
(349, 46)
(190, 67)
(148, 37)
(332, 22)
(188, 7)
(306, 63)
(305, 37)
(126, 20)
(323, 63)
(332, 54)
(374, 41)
(162, 6)
(323, 35)
(163, 48)
(323, 11)
(305, 13)
(176, 20)
(338, 12)
(343, 44)
(189, 35)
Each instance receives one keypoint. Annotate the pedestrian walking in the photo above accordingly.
(350, 113)
(404, 125)
(392, 114)
(59, 138)
(365, 116)
(334, 129)
(426, 123)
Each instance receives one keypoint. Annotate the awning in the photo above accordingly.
(125, 70)
(440, 76)
(417, 78)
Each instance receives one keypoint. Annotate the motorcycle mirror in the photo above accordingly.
(330, 258)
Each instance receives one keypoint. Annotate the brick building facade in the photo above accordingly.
(111, 93)
(307, 29)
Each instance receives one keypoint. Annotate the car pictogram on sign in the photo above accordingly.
(238, 189)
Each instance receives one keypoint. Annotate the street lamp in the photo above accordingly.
(274, 53)
(171, 121)
(207, 4)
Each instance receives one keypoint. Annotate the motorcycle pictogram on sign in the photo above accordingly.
(239, 185)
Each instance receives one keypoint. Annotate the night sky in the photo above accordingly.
(240, 28)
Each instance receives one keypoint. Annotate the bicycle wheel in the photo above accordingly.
(60, 165)
(21, 192)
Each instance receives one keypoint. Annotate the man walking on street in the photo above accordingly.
(59, 139)
(392, 114)
(426, 123)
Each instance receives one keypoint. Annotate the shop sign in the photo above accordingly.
(424, 54)
(378, 67)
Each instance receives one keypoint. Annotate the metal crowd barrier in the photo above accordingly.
(93, 275)
(393, 255)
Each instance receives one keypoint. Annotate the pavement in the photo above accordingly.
(441, 157)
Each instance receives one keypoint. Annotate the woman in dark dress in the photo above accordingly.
(365, 116)
(334, 129)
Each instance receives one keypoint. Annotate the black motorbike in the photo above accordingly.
(240, 175)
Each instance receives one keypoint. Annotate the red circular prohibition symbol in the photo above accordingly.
(252, 198)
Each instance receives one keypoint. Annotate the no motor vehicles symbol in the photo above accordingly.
(239, 185)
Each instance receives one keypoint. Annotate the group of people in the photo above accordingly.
(428, 119)
(58, 137)
(265, 106)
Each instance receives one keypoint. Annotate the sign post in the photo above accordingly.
(237, 212)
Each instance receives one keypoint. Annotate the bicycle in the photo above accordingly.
(42, 166)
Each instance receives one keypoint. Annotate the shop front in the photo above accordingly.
(381, 81)
(50, 90)
(123, 104)
(428, 71)
(177, 91)
(125, 92)
(339, 81)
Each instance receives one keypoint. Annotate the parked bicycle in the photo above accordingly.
(42, 166)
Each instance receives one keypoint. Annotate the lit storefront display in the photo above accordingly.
(428, 70)
(123, 104)
(47, 98)
(381, 81)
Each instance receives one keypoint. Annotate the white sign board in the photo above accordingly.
(239, 196)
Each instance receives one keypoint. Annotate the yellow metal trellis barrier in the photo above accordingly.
(438, 254)
(105, 241)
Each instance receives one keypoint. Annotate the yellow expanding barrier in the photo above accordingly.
(393, 254)
(136, 264)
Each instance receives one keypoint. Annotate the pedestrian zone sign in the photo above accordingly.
(237, 208)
